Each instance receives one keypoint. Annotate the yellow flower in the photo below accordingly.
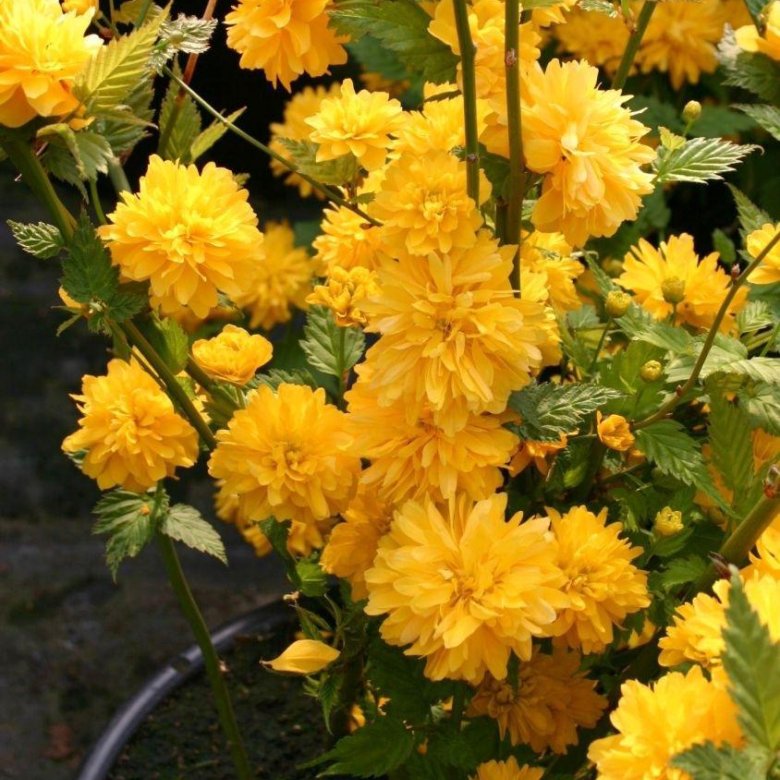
(766, 559)
(602, 583)
(232, 356)
(300, 107)
(655, 724)
(463, 587)
(682, 40)
(768, 271)
(535, 452)
(552, 699)
(550, 255)
(507, 770)
(655, 274)
(751, 40)
(614, 432)
(284, 38)
(352, 545)
(191, 235)
(131, 432)
(414, 458)
(42, 50)
(423, 205)
(304, 656)
(356, 123)
(344, 294)
(280, 279)
(595, 37)
(285, 455)
(453, 336)
(347, 240)
(81, 6)
(587, 146)
(553, 14)
(668, 522)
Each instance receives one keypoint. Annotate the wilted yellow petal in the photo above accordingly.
(304, 656)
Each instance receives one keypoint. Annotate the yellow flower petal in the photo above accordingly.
(304, 656)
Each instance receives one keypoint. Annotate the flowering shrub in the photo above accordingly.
(520, 452)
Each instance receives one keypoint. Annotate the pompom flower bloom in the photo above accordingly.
(191, 234)
(550, 256)
(552, 700)
(674, 272)
(132, 435)
(347, 240)
(655, 724)
(285, 455)
(42, 50)
(596, 37)
(587, 146)
(355, 123)
(749, 38)
(284, 38)
(344, 293)
(463, 587)
(602, 583)
(232, 356)
(768, 271)
(614, 432)
(507, 770)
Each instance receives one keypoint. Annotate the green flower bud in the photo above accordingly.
(617, 303)
(651, 371)
(612, 267)
(692, 111)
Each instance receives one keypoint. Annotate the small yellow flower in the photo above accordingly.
(651, 371)
(344, 293)
(130, 430)
(536, 452)
(602, 583)
(668, 522)
(356, 123)
(614, 432)
(507, 770)
(191, 234)
(617, 303)
(655, 724)
(232, 356)
(284, 38)
(768, 271)
(304, 656)
(749, 38)
(42, 50)
(550, 255)
(346, 241)
(553, 698)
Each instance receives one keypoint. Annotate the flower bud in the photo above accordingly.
(304, 656)
(673, 289)
(617, 303)
(614, 431)
(612, 267)
(651, 371)
(668, 522)
(692, 111)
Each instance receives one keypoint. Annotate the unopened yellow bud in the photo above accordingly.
(668, 522)
(612, 267)
(304, 656)
(614, 431)
(617, 303)
(692, 111)
(673, 289)
(651, 371)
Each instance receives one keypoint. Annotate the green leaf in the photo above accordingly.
(752, 661)
(125, 126)
(340, 171)
(762, 404)
(724, 246)
(465, 748)
(312, 580)
(213, 133)
(547, 410)
(732, 446)
(329, 348)
(756, 316)
(127, 519)
(655, 113)
(185, 524)
(373, 751)
(766, 116)
(75, 157)
(402, 27)
(699, 160)
(186, 128)
(88, 275)
(707, 762)
(278, 376)
(723, 355)
(188, 34)
(117, 68)
(756, 73)
(720, 121)
(601, 6)
(376, 58)
(641, 326)
(169, 339)
(751, 217)
(277, 534)
(37, 239)
(681, 571)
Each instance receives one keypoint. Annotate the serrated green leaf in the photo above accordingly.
(756, 316)
(720, 121)
(376, 58)
(89, 153)
(304, 154)
(372, 751)
(699, 160)
(731, 446)
(751, 217)
(681, 571)
(87, 271)
(756, 73)
(213, 133)
(752, 661)
(329, 348)
(312, 580)
(277, 376)
(123, 127)
(169, 340)
(708, 762)
(761, 402)
(724, 353)
(188, 34)
(465, 748)
(548, 410)
(37, 239)
(766, 116)
(641, 326)
(186, 525)
(178, 140)
(402, 27)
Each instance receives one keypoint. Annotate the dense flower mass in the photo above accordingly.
(587, 145)
(284, 38)
(130, 431)
(347, 241)
(463, 587)
(42, 50)
(232, 356)
(285, 455)
(191, 234)
(655, 724)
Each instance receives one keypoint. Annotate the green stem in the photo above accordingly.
(710, 340)
(95, 198)
(177, 392)
(219, 396)
(118, 177)
(515, 131)
(211, 661)
(632, 47)
(328, 192)
(600, 346)
(22, 156)
(469, 81)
